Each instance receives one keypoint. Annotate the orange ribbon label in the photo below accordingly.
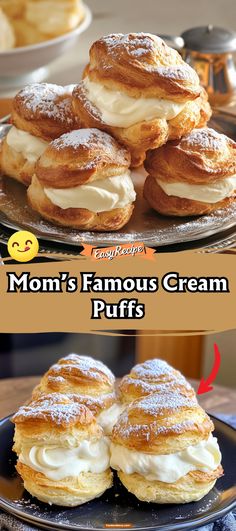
(118, 251)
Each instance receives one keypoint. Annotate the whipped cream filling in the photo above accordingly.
(30, 147)
(204, 456)
(120, 110)
(206, 193)
(97, 196)
(108, 417)
(57, 463)
(7, 36)
(51, 20)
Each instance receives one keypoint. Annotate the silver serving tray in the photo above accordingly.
(145, 225)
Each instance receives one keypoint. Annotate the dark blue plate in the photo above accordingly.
(117, 507)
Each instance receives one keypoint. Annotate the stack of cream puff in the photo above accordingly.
(138, 102)
(35, 21)
(164, 451)
(140, 91)
(192, 176)
(152, 431)
(62, 453)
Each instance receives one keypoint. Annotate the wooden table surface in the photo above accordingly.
(15, 391)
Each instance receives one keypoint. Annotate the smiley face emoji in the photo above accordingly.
(23, 246)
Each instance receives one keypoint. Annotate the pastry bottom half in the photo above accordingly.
(192, 487)
(69, 492)
(14, 165)
(77, 218)
(170, 205)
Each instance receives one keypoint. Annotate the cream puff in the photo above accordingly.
(193, 176)
(41, 112)
(140, 91)
(54, 17)
(63, 455)
(83, 380)
(153, 376)
(83, 181)
(164, 451)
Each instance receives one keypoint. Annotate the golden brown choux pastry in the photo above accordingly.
(77, 374)
(105, 408)
(63, 455)
(140, 91)
(193, 176)
(153, 376)
(83, 181)
(164, 451)
(41, 112)
(54, 17)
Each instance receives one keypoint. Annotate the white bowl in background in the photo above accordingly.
(27, 63)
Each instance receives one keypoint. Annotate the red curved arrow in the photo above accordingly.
(205, 385)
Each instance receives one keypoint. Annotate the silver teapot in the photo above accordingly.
(209, 50)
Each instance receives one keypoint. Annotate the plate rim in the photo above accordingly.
(47, 524)
(84, 239)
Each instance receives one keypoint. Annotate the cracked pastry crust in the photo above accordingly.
(43, 111)
(163, 424)
(203, 157)
(142, 66)
(80, 157)
(63, 426)
(153, 376)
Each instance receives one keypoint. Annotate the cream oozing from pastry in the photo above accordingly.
(108, 417)
(54, 18)
(97, 196)
(30, 147)
(7, 36)
(205, 457)
(57, 462)
(117, 109)
(206, 193)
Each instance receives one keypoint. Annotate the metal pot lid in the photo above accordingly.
(210, 39)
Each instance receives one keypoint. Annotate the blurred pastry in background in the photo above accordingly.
(41, 112)
(83, 181)
(35, 21)
(193, 176)
(62, 454)
(13, 8)
(7, 36)
(140, 91)
(164, 450)
(54, 17)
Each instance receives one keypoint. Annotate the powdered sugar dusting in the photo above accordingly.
(86, 364)
(155, 404)
(178, 72)
(84, 139)
(48, 100)
(206, 139)
(136, 44)
(95, 404)
(153, 369)
(56, 413)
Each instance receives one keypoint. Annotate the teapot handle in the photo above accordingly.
(174, 41)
